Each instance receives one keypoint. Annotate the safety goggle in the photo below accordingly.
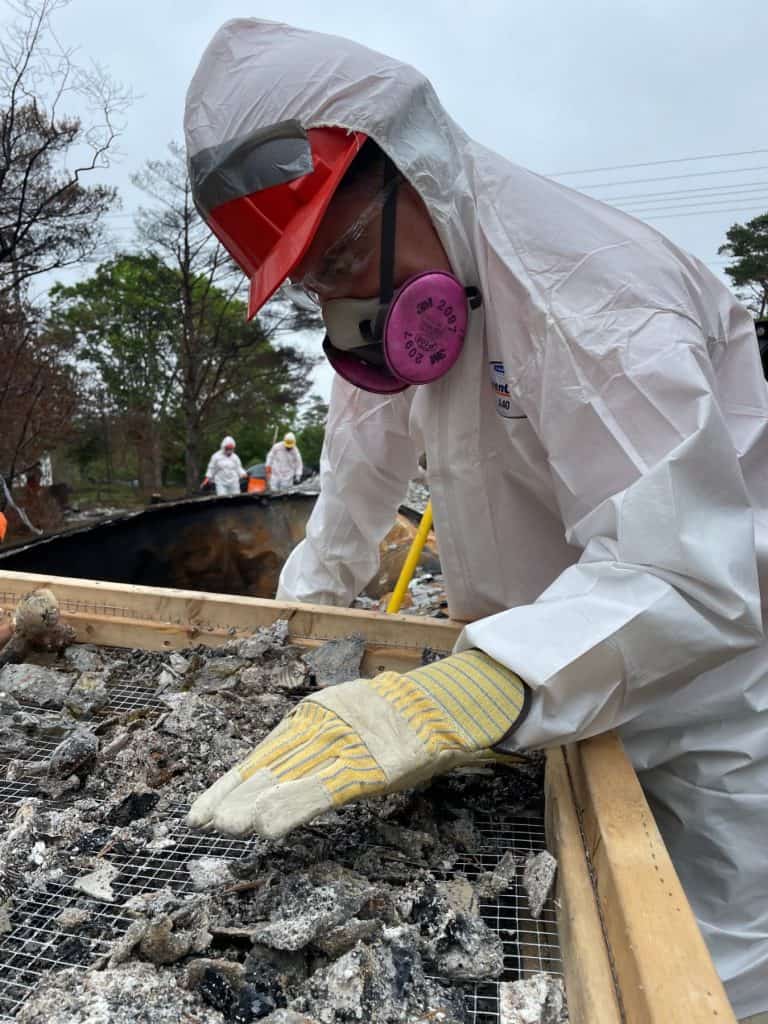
(346, 259)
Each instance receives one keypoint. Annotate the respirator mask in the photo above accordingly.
(410, 335)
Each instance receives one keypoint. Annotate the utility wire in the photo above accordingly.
(683, 203)
(667, 177)
(697, 213)
(656, 163)
(736, 186)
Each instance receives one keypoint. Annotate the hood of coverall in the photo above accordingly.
(555, 253)
(326, 81)
(228, 442)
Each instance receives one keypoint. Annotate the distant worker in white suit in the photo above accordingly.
(225, 470)
(284, 465)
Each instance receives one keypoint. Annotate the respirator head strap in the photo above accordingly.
(387, 251)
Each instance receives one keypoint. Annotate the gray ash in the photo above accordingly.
(347, 919)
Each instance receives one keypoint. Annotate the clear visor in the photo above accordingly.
(347, 259)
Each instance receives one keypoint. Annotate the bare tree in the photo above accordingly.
(38, 393)
(49, 218)
(216, 347)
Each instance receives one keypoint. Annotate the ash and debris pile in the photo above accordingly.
(417, 495)
(539, 999)
(370, 914)
(425, 596)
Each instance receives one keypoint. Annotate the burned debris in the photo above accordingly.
(538, 878)
(394, 911)
(539, 999)
(336, 661)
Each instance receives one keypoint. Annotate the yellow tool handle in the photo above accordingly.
(411, 561)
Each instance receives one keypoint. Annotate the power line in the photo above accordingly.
(656, 163)
(690, 191)
(688, 203)
(759, 200)
(667, 177)
(696, 213)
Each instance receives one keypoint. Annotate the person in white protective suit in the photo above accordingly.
(284, 463)
(595, 422)
(225, 470)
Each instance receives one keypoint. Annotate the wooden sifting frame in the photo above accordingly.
(632, 951)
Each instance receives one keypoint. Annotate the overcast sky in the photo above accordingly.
(557, 86)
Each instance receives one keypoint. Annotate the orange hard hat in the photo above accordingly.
(3, 527)
(268, 231)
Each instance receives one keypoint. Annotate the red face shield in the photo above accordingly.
(264, 196)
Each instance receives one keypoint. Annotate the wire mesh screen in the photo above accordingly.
(123, 696)
(12, 793)
(167, 868)
(38, 943)
(40, 940)
(530, 945)
(73, 606)
(36, 748)
(133, 698)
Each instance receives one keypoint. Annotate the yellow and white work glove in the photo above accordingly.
(365, 738)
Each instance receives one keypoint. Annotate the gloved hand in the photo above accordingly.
(204, 484)
(34, 624)
(36, 614)
(365, 738)
(296, 481)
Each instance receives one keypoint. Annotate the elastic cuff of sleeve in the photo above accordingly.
(527, 697)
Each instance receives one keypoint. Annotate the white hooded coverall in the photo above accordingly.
(225, 470)
(285, 464)
(598, 462)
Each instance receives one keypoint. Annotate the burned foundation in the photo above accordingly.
(407, 908)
